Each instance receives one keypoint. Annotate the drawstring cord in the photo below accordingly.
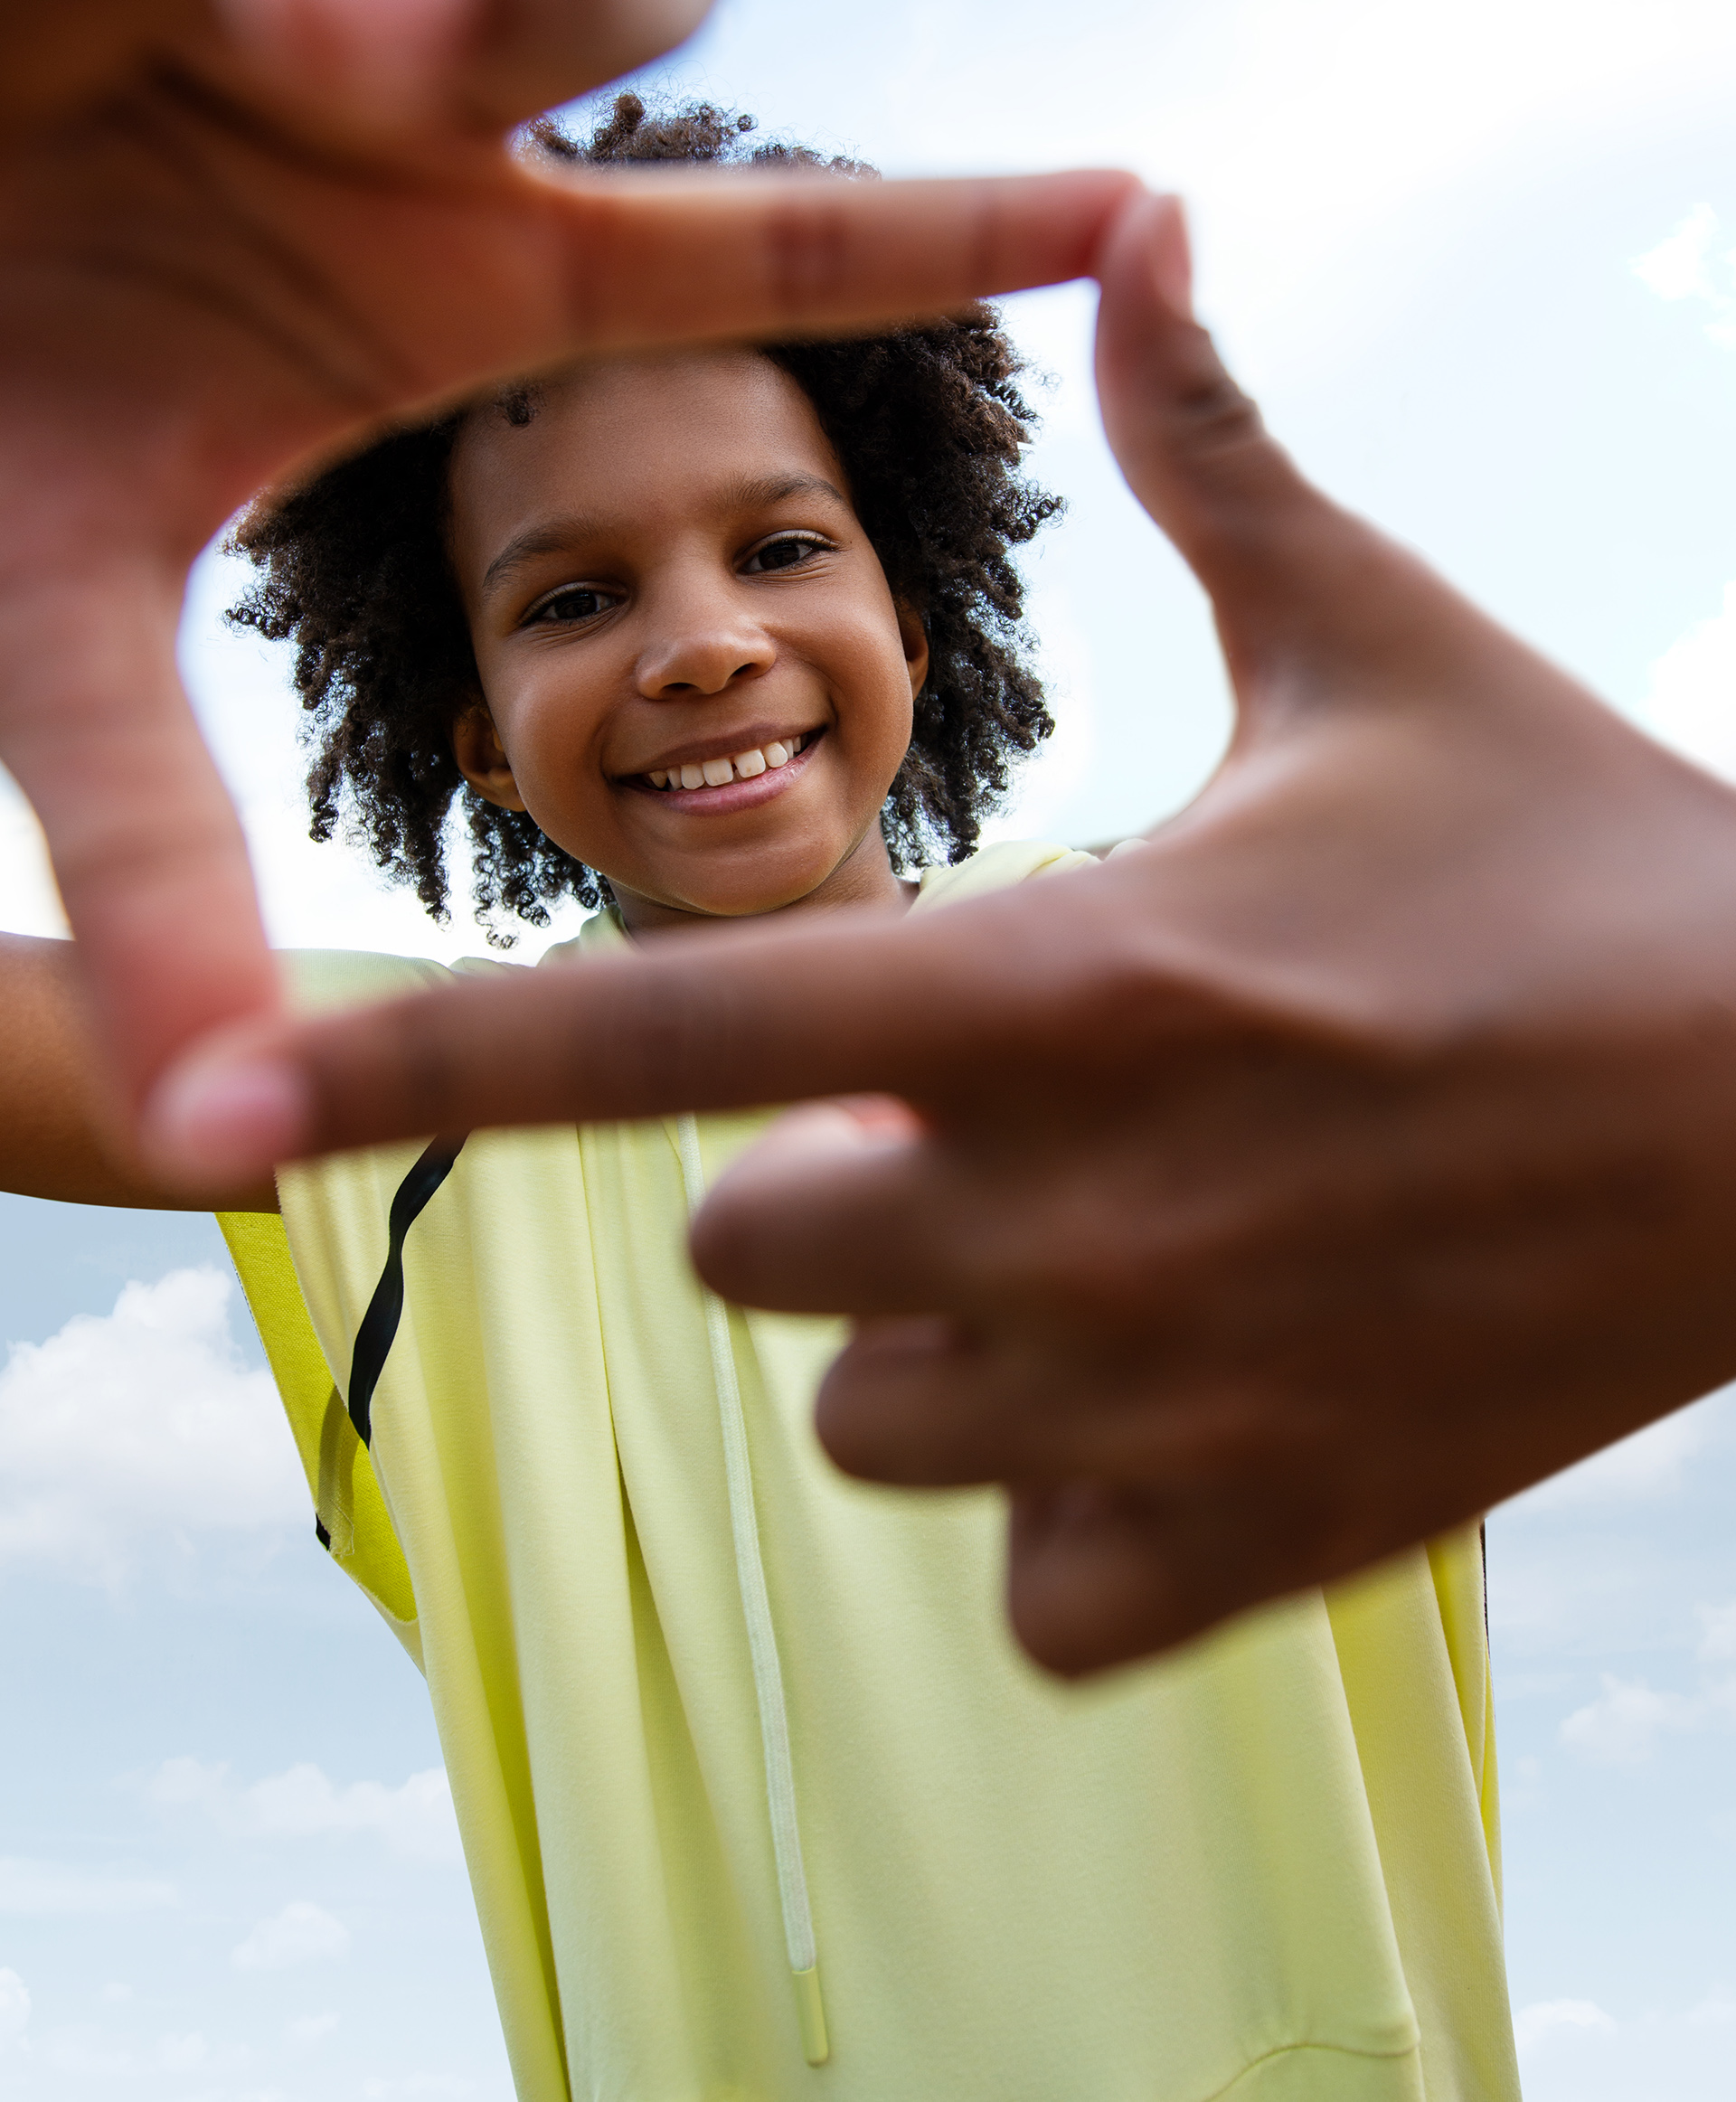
(762, 1645)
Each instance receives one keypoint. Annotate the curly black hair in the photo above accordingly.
(929, 427)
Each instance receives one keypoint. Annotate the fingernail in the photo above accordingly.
(207, 1124)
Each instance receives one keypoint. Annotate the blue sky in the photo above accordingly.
(1478, 263)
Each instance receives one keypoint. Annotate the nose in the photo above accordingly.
(701, 640)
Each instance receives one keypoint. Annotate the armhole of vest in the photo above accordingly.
(351, 1519)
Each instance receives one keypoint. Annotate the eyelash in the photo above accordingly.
(543, 614)
(812, 541)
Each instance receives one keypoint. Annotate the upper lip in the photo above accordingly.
(754, 737)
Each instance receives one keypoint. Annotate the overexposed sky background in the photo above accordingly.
(1479, 262)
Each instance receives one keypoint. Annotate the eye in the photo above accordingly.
(789, 552)
(571, 602)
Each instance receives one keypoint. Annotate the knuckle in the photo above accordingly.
(1211, 413)
(420, 1067)
(1129, 993)
(646, 1036)
(806, 253)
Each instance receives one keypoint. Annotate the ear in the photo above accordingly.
(915, 639)
(482, 758)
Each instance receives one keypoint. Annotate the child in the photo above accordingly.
(696, 638)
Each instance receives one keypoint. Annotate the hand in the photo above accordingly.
(227, 245)
(1283, 1191)
(385, 66)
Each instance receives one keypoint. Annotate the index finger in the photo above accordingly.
(925, 1008)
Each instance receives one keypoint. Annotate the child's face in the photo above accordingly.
(663, 571)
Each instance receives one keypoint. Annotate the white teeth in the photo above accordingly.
(744, 766)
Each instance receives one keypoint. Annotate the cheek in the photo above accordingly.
(874, 682)
(893, 721)
(549, 726)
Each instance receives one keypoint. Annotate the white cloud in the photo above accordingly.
(31, 1890)
(86, 2054)
(302, 1933)
(15, 2010)
(1689, 704)
(1717, 1633)
(1684, 267)
(415, 1819)
(1716, 2011)
(308, 2030)
(1679, 267)
(181, 2054)
(1621, 1727)
(1547, 2018)
(131, 1428)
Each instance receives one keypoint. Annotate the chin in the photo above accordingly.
(753, 907)
(754, 890)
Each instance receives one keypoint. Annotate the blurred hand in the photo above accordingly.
(1283, 1191)
(232, 240)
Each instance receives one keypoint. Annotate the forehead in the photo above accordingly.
(639, 437)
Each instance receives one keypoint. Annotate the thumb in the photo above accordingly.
(1261, 540)
(148, 850)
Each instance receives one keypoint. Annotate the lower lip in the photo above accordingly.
(730, 796)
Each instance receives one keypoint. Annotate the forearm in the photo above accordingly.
(52, 1143)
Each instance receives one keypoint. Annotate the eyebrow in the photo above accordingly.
(554, 535)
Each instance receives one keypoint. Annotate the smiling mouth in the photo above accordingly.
(742, 766)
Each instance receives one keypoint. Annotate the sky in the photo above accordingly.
(1479, 264)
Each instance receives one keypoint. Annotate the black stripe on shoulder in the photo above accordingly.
(374, 1338)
